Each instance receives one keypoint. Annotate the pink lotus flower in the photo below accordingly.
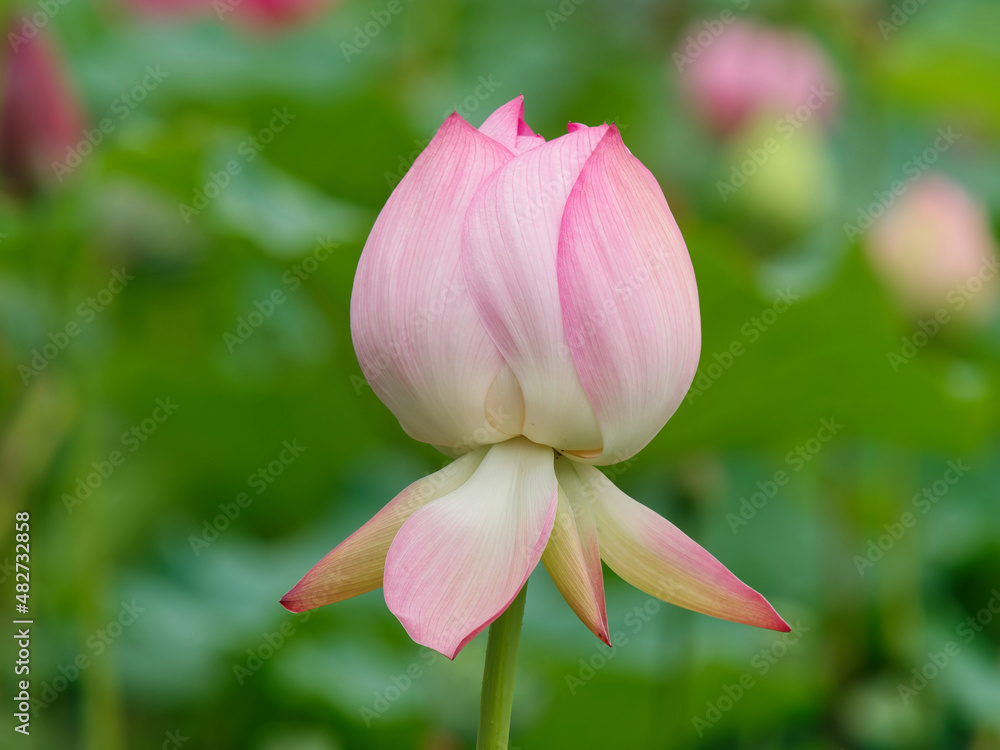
(936, 249)
(530, 307)
(40, 115)
(736, 72)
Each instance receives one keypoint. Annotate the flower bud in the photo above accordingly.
(734, 72)
(516, 287)
(40, 116)
(935, 248)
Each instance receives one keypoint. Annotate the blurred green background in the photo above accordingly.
(178, 624)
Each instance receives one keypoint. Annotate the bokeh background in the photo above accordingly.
(130, 253)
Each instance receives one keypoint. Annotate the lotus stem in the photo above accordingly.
(498, 676)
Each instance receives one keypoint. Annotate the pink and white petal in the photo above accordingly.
(418, 340)
(573, 557)
(509, 250)
(505, 404)
(356, 565)
(458, 562)
(655, 556)
(507, 126)
(526, 140)
(629, 299)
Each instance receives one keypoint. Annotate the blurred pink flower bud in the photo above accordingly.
(733, 72)
(934, 246)
(40, 115)
(532, 307)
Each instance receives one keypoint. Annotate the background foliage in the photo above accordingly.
(202, 609)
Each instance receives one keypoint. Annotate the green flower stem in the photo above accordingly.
(498, 676)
